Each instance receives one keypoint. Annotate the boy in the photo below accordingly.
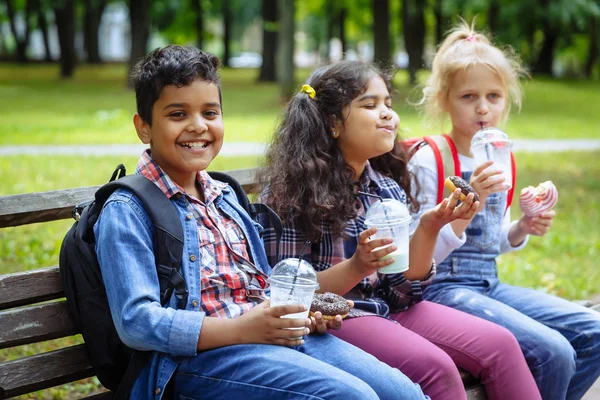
(227, 341)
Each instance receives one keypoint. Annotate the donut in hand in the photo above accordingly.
(330, 305)
(456, 182)
(537, 200)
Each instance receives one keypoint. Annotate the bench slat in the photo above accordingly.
(28, 208)
(35, 324)
(29, 287)
(43, 371)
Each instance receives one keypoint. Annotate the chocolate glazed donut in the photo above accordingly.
(456, 182)
(330, 305)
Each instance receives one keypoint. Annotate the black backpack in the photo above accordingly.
(117, 365)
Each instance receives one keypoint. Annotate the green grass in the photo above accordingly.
(95, 107)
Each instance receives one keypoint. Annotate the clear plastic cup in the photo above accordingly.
(293, 281)
(492, 144)
(392, 220)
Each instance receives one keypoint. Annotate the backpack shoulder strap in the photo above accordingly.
(446, 159)
(253, 209)
(168, 232)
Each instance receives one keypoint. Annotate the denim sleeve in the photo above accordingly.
(124, 245)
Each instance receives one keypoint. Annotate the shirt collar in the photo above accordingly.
(147, 167)
(369, 178)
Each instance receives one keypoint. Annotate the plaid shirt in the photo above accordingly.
(376, 294)
(230, 283)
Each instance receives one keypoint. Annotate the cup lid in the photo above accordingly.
(494, 136)
(294, 271)
(387, 211)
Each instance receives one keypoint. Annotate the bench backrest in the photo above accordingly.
(32, 305)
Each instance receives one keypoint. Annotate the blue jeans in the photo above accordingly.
(560, 339)
(323, 368)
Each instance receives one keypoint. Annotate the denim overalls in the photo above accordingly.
(560, 339)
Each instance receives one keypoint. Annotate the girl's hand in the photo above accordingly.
(539, 225)
(263, 325)
(486, 182)
(447, 211)
(366, 258)
(319, 325)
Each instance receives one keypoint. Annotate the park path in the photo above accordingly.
(252, 149)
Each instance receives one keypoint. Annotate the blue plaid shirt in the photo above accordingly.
(377, 294)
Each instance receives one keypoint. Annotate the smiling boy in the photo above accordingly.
(227, 341)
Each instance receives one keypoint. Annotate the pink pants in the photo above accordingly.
(429, 342)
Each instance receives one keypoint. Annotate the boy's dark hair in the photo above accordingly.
(170, 65)
(303, 150)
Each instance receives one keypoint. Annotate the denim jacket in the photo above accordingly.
(124, 244)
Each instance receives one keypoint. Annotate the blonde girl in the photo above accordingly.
(474, 83)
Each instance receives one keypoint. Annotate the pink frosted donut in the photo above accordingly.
(537, 200)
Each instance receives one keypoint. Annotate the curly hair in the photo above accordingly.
(306, 179)
(170, 65)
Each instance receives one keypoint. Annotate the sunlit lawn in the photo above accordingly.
(95, 107)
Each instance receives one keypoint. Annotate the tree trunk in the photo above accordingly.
(593, 49)
(543, 65)
(20, 42)
(492, 16)
(285, 45)
(93, 16)
(342, 26)
(330, 18)
(269, 41)
(414, 35)
(43, 25)
(381, 32)
(439, 21)
(64, 15)
(197, 7)
(139, 17)
(226, 33)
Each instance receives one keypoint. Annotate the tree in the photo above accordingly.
(285, 45)
(269, 41)
(413, 19)
(381, 30)
(342, 27)
(199, 12)
(43, 26)
(594, 47)
(139, 18)
(226, 32)
(92, 16)
(21, 41)
(64, 16)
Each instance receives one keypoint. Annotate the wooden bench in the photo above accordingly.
(33, 309)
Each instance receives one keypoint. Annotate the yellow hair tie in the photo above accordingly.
(309, 91)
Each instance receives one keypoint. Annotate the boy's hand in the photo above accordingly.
(539, 225)
(486, 182)
(366, 258)
(263, 325)
(447, 211)
(319, 325)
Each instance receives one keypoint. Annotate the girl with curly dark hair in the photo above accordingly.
(334, 152)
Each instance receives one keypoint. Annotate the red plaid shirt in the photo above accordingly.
(230, 283)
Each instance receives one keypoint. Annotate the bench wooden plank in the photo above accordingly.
(35, 324)
(29, 208)
(45, 370)
(30, 287)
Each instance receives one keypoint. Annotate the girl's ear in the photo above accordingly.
(142, 129)
(336, 126)
(442, 101)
